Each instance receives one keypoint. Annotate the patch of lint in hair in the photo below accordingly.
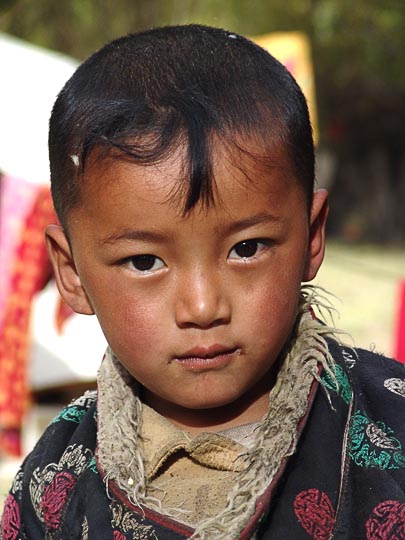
(75, 159)
(232, 36)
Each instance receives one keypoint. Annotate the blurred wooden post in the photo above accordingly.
(293, 49)
(400, 329)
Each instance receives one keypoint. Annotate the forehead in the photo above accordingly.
(240, 169)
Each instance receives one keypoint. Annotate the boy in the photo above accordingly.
(182, 170)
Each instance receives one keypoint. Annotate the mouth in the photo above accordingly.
(207, 358)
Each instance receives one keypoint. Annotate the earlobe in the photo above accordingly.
(66, 276)
(316, 244)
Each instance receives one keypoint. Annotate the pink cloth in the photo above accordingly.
(16, 200)
(400, 330)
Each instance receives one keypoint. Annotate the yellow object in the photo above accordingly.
(293, 50)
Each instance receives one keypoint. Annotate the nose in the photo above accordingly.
(202, 301)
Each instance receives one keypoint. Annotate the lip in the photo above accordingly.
(207, 358)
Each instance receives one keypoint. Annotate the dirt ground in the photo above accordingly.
(365, 281)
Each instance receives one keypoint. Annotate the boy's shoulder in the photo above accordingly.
(75, 427)
(51, 472)
(366, 366)
(77, 409)
(376, 383)
(70, 437)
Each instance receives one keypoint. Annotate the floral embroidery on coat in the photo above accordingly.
(387, 522)
(50, 487)
(11, 520)
(373, 444)
(315, 513)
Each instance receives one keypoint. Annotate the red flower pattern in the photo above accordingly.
(119, 536)
(386, 522)
(11, 520)
(315, 513)
(54, 498)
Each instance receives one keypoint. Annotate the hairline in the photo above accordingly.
(228, 142)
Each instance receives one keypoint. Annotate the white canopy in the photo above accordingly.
(31, 78)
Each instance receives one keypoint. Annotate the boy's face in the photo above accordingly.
(197, 308)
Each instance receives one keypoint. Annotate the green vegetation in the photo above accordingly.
(357, 50)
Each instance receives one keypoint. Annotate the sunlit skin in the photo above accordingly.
(196, 307)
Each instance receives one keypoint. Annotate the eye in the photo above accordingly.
(248, 249)
(145, 263)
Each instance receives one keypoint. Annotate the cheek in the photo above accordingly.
(129, 323)
(274, 306)
(275, 291)
(271, 307)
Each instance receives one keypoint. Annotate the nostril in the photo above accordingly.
(202, 300)
(203, 314)
(203, 323)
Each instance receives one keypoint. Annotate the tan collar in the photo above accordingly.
(161, 439)
(119, 411)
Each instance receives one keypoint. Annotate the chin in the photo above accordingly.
(211, 402)
(199, 405)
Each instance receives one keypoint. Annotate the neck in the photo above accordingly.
(249, 408)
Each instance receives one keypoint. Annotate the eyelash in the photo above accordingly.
(260, 245)
(143, 258)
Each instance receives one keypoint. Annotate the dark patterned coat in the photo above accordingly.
(346, 480)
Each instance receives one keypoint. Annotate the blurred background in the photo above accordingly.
(348, 58)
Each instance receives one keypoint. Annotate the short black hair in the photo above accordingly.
(146, 93)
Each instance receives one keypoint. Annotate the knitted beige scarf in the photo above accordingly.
(119, 413)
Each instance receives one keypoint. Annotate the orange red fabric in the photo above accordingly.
(31, 272)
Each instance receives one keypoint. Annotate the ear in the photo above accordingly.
(66, 276)
(316, 244)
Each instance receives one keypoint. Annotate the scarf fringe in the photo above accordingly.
(276, 438)
(120, 412)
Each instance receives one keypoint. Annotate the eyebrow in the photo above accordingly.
(251, 221)
(132, 234)
(151, 236)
